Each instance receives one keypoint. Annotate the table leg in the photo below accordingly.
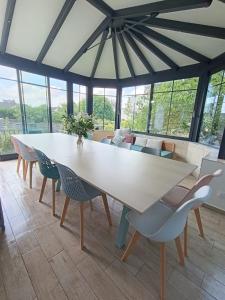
(1, 218)
(123, 228)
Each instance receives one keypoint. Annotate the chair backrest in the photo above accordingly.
(45, 165)
(105, 141)
(204, 180)
(15, 145)
(124, 145)
(152, 151)
(71, 183)
(175, 223)
(26, 152)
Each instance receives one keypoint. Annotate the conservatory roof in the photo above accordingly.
(113, 39)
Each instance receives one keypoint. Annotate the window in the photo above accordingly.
(214, 111)
(58, 91)
(79, 98)
(104, 108)
(135, 107)
(172, 107)
(35, 100)
(10, 113)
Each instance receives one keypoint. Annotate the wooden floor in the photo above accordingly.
(40, 260)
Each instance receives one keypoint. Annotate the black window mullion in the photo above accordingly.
(49, 99)
(21, 99)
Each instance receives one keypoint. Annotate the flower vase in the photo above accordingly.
(80, 140)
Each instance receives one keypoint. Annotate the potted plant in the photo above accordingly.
(79, 124)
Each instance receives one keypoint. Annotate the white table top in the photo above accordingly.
(135, 179)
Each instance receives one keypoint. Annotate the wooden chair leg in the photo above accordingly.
(162, 270)
(30, 175)
(67, 201)
(81, 225)
(42, 188)
(179, 250)
(104, 198)
(24, 169)
(186, 239)
(130, 246)
(53, 196)
(199, 221)
(91, 205)
(18, 163)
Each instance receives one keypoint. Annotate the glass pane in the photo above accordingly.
(10, 116)
(33, 78)
(83, 89)
(127, 111)
(98, 111)
(143, 89)
(36, 108)
(110, 92)
(59, 108)
(76, 88)
(141, 113)
(58, 84)
(160, 113)
(214, 114)
(109, 112)
(79, 98)
(185, 84)
(128, 91)
(98, 91)
(216, 78)
(163, 86)
(9, 73)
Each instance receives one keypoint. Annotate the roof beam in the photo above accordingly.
(99, 53)
(115, 53)
(165, 6)
(102, 7)
(7, 24)
(126, 54)
(138, 52)
(103, 25)
(172, 44)
(204, 30)
(151, 47)
(55, 29)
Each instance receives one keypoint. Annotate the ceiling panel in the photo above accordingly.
(122, 65)
(155, 62)
(118, 4)
(79, 25)
(180, 59)
(30, 27)
(85, 64)
(106, 69)
(207, 46)
(213, 15)
(2, 14)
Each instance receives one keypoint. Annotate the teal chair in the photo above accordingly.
(136, 148)
(105, 141)
(152, 151)
(48, 170)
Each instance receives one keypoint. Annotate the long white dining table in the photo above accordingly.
(135, 179)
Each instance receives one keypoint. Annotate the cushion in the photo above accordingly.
(122, 131)
(154, 143)
(129, 138)
(118, 139)
(140, 141)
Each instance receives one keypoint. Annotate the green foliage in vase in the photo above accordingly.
(79, 124)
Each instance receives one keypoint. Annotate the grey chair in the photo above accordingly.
(152, 151)
(48, 170)
(79, 190)
(29, 158)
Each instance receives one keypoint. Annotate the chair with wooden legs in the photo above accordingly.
(29, 158)
(161, 224)
(179, 195)
(17, 151)
(48, 170)
(79, 190)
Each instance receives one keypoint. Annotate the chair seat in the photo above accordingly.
(151, 220)
(175, 196)
(52, 172)
(90, 190)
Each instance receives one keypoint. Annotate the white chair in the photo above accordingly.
(160, 223)
(180, 194)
